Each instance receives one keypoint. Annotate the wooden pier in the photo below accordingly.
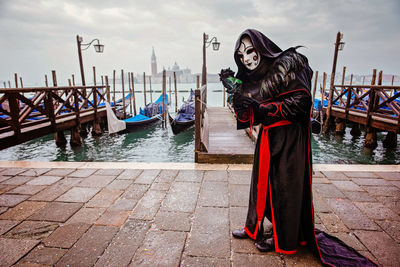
(29, 113)
(216, 137)
(375, 107)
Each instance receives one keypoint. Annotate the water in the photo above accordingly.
(161, 145)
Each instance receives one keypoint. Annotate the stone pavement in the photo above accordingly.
(104, 214)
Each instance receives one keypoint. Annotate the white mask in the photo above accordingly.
(248, 54)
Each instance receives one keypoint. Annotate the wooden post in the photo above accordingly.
(151, 91)
(390, 140)
(370, 137)
(176, 94)
(5, 85)
(133, 93)
(123, 93)
(321, 115)
(197, 81)
(392, 79)
(169, 97)
(14, 112)
(9, 84)
(363, 80)
(76, 139)
(114, 88)
(313, 95)
(73, 79)
(16, 80)
(69, 82)
(343, 75)
(94, 75)
(107, 89)
(102, 80)
(20, 81)
(164, 106)
(329, 108)
(96, 131)
(144, 88)
(197, 129)
(130, 93)
(59, 136)
(54, 76)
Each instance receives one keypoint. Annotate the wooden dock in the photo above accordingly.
(216, 137)
(29, 113)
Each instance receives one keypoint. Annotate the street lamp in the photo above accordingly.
(99, 48)
(206, 44)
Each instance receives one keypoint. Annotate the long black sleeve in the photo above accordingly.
(294, 107)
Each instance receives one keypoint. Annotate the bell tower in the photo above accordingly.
(153, 64)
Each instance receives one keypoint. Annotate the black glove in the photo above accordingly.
(237, 102)
(251, 103)
(268, 109)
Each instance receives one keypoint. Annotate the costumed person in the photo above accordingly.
(272, 88)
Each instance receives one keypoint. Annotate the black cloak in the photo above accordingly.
(281, 183)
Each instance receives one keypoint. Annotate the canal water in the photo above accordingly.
(161, 145)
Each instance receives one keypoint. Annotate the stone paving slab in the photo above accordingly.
(83, 173)
(56, 190)
(90, 247)
(56, 212)
(32, 230)
(182, 196)
(66, 235)
(190, 176)
(124, 244)
(214, 194)
(86, 215)
(160, 248)
(27, 189)
(94, 214)
(210, 234)
(43, 256)
(97, 181)
(44, 180)
(104, 198)
(6, 225)
(11, 250)
(147, 177)
(11, 200)
(17, 180)
(22, 210)
(148, 206)
(78, 194)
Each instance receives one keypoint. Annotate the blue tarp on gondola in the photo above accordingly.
(139, 117)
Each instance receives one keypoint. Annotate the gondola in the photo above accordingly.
(185, 117)
(151, 114)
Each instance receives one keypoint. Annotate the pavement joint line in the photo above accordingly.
(186, 166)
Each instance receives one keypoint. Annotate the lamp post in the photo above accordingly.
(206, 44)
(339, 45)
(99, 48)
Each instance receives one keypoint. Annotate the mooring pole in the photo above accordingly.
(144, 87)
(164, 106)
(133, 93)
(176, 94)
(329, 108)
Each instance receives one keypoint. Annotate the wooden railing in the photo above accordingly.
(201, 120)
(21, 108)
(372, 104)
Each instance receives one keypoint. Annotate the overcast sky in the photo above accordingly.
(39, 36)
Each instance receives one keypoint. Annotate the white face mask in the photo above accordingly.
(248, 54)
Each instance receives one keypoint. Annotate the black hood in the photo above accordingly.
(268, 50)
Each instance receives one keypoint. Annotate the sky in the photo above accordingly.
(40, 36)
